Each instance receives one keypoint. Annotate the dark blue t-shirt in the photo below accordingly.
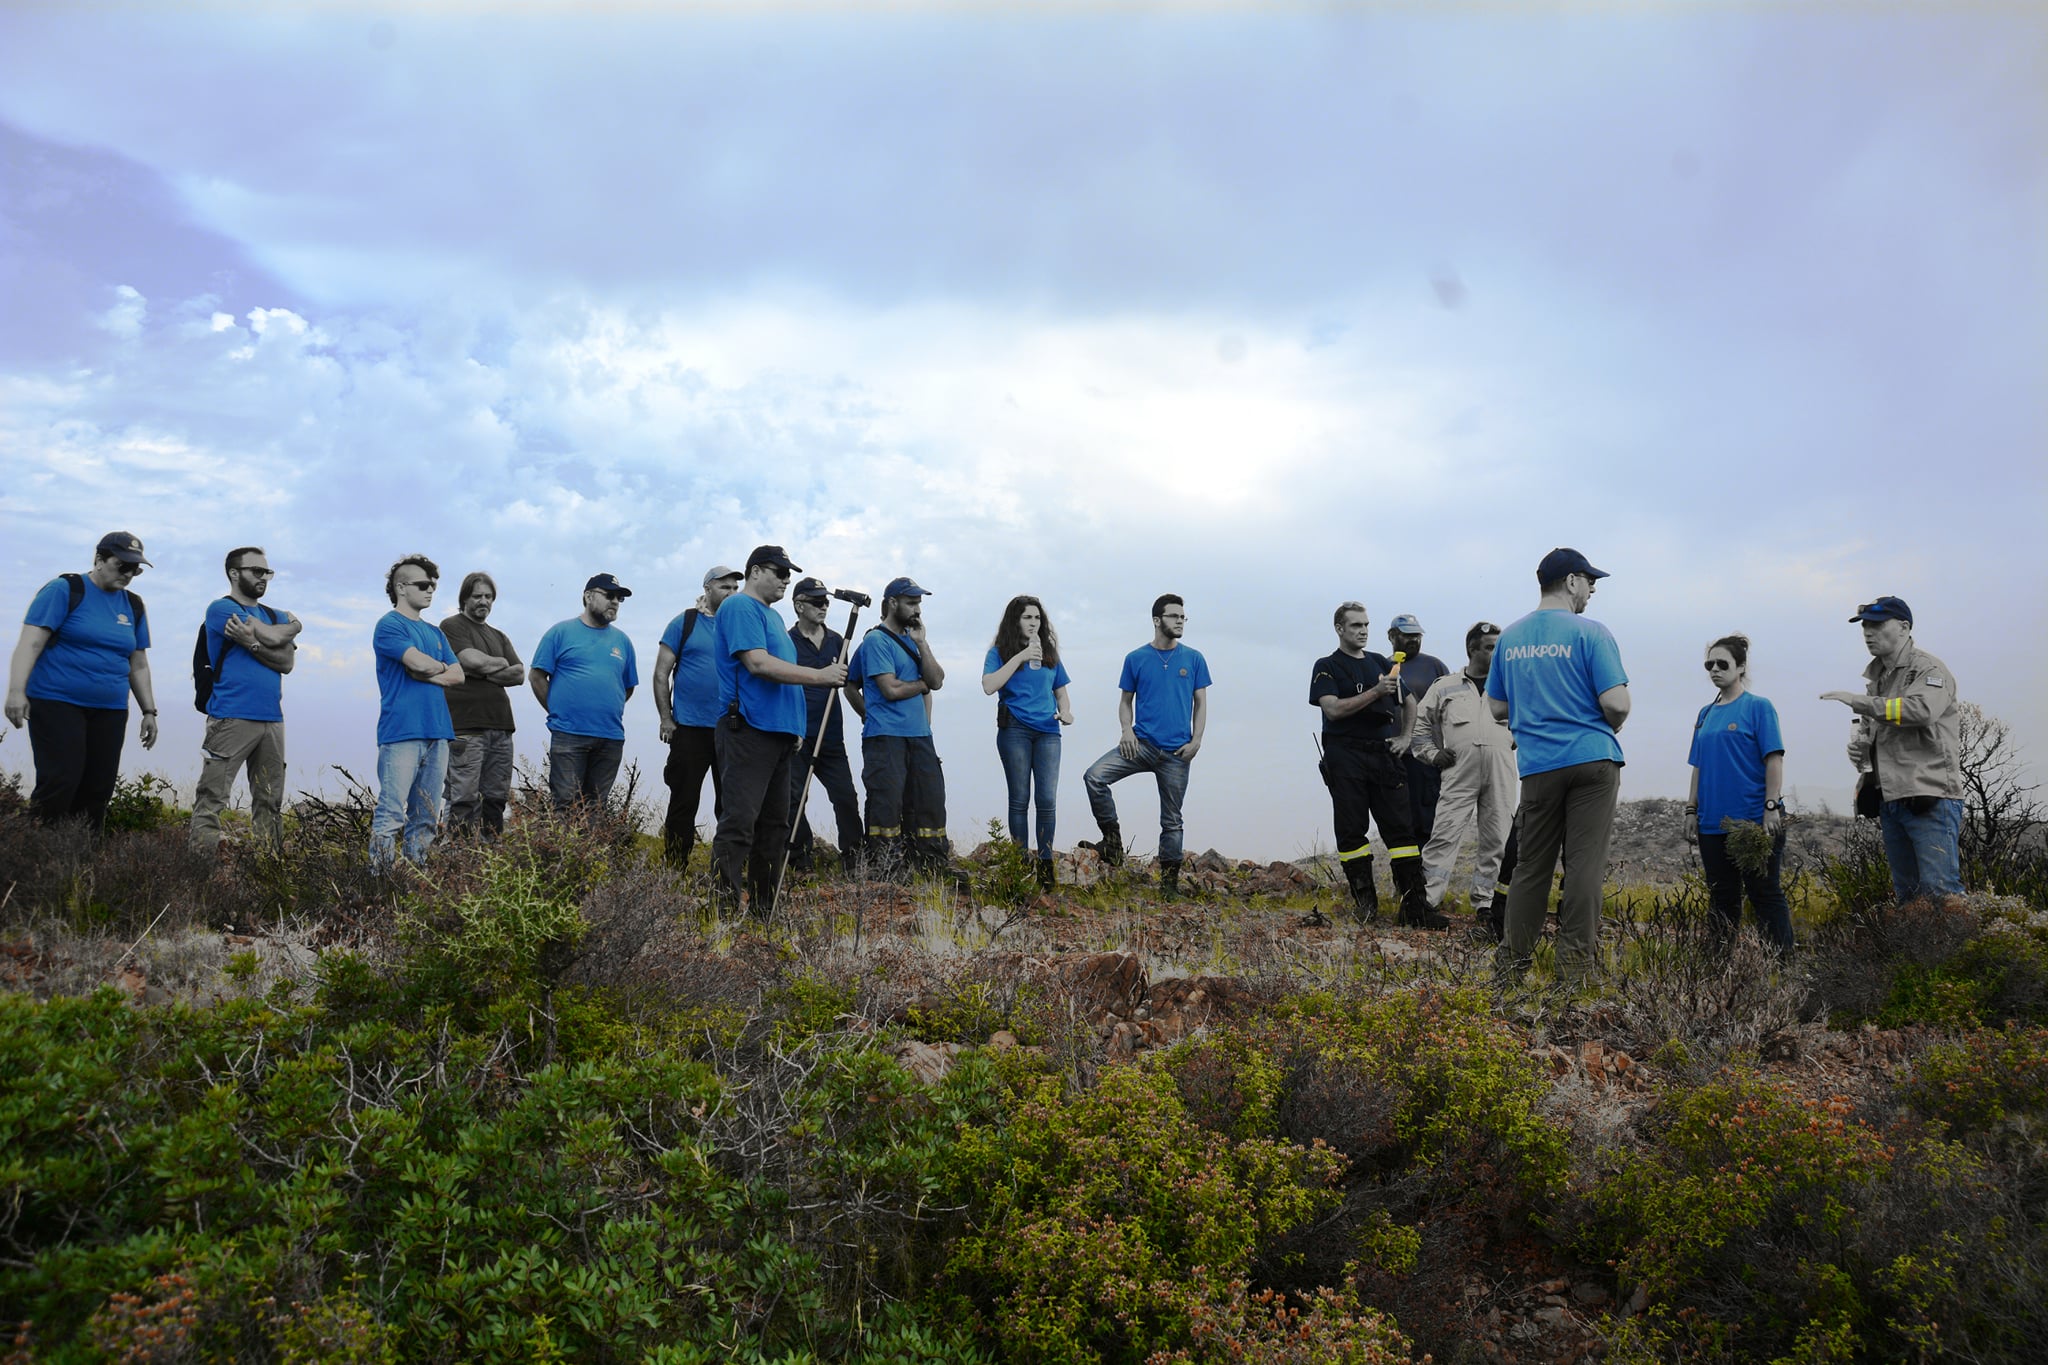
(243, 689)
(1550, 668)
(1029, 693)
(409, 708)
(818, 699)
(86, 661)
(1165, 684)
(693, 698)
(1729, 746)
(878, 653)
(589, 670)
(746, 623)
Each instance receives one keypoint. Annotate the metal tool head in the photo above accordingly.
(859, 599)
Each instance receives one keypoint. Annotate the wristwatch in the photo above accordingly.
(1774, 805)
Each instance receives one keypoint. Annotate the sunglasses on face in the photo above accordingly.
(127, 570)
(1714, 665)
(428, 583)
(260, 573)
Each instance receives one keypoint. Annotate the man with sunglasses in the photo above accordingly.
(415, 667)
(249, 647)
(583, 674)
(1558, 683)
(1907, 748)
(817, 644)
(761, 687)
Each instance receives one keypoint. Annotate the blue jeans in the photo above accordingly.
(582, 768)
(410, 776)
(1925, 851)
(1170, 772)
(1728, 882)
(1030, 758)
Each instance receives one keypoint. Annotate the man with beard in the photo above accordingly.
(1163, 711)
(249, 648)
(584, 673)
(480, 755)
(1419, 673)
(896, 673)
(686, 697)
(818, 645)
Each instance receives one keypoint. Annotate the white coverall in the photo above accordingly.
(1480, 787)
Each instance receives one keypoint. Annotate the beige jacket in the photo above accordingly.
(1910, 724)
(1455, 717)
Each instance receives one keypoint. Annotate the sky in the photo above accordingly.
(1270, 307)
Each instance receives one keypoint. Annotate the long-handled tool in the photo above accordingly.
(855, 600)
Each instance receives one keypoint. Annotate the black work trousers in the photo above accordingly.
(906, 804)
(77, 753)
(1425, 788)
(832, 769)
(692, 752)
(1368, 786)
(753, 826)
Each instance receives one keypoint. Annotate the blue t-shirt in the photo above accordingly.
(1729, 746)
(880, 654)
(409, 708)
(746, 623)
(589, 670)
(1165, 685)
(243, 689)
(1029, 693)
(86, 661)
(1550, 668)
(694, 698)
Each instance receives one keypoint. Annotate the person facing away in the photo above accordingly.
(584, 673)
(415, 668)
(84, 647)
(817, 646)
(1367, 717)
(1418, 672)
(762, 689)
(896, 674)
(686, 699)
(1738, 773)
(480, 755)
(1558, 683)
(1456, 735)
(1907, 749)
(1163, 711)
(1023, 670)
(247, 646)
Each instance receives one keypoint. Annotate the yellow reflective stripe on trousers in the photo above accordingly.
(876, 832)
(1362, 851)
(927, 834)
(1405, 851)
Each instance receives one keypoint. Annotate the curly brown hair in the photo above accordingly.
(1010, 635)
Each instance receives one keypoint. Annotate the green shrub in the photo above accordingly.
(1994, 978)
(139, 804)
(1983, 1080)
(1009, 876)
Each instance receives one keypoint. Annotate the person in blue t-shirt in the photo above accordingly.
(584, 673)
(415, 667)
(890, 685)
(70, 677)
(1738, 771)
(250, 646)
(1557, 681)
(823, 752)
(1165, 708)
(1024, 668)
(686, 698)
(761, 691)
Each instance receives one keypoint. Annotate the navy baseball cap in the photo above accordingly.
(904, 587)
(1480, 630)
(718, 573)
(772, 555)
(1884, 609)
(810, 587)
(1563, 561)
(123, 546)
(604, 582)
(1405, 624)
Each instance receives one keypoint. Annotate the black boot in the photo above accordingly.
(1415, 909)
(1110, 848)
(1046, 879)
(1169, 881)
(1365, 894)
(1493, 921)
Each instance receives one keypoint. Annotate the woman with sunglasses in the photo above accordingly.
(1023, 668)
(83, 649)
(1738, 771)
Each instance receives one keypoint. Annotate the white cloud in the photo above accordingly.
(129, 312)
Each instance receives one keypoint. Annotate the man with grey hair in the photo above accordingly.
(480, 755)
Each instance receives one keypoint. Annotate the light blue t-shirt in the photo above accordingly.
(1029, 693)
(409, 708)
(1550, 668)
(1729, 746)
(880, 654)
(1165, 684)
(243, 689)
(86, 661)
(745, 623)
(693, 699)
(589, 670)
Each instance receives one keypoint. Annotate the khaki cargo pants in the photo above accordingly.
(230, 744)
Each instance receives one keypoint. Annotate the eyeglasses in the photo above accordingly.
(1712, 665)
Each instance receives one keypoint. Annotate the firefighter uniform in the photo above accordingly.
(1368, 785)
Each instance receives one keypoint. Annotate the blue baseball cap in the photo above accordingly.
(605, 583)
(1562, 561)
(810, 587)
(122, 545)
(1884, 609)
(905, 587)
(1405, 624)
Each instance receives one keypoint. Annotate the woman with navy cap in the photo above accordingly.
(83, 649)
(1023, 668)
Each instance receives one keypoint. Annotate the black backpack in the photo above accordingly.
(206, 668)
(74, 588)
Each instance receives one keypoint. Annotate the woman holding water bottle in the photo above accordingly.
(1024, 672)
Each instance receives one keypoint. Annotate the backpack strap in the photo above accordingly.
(74, 595)
(689, 624)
